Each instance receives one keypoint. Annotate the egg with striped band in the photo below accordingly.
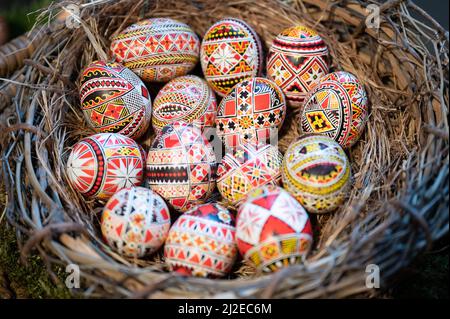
(104, 163)
(186, 98)
(337, 107)
(181, 166)
(114, 99)
(157, 49)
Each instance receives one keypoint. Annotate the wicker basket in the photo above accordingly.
(398, 204)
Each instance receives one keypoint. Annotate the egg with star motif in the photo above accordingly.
(201, 242)
(231, 51)
(272, 229)
(102, 164)
(135, 222)
(181, 166)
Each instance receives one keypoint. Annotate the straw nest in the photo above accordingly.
(398, 204)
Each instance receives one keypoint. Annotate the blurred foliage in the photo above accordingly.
(21, 15)
(19, 281)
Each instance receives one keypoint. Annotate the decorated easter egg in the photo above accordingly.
(135, 222)
(114, 99)
(316, 172)
(297, 59)
(253, 112)
(201, 242)
(157, 49)
(247, 168)
(272, 229)
(230, 52)
(181, 166)
(186, 98)
(104, 163)
(337, 107)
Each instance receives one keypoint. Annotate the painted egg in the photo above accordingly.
(135, 222)
(272, 229)
(230, 52)
(104, 163)
(247, 168)
(157, 49)
(297, 59)
(337, 107)
(114, 99)
(181, 166)
(317, 173)
(202, 242)
(252, 112)
(186, 98)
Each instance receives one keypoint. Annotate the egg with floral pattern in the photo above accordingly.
(252, 112)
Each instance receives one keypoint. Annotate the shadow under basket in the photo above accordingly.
(398, 203)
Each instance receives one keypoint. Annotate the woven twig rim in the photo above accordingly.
(399, 200)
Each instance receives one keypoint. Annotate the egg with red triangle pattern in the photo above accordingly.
(135, 222)
(201, 242)
(272, 229)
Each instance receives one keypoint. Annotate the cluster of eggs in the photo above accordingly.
(271, 228)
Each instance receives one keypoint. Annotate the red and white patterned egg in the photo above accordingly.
(297, 59)
(104, 163)
(135, 222)
(230, 52)
(114, 99)
(247, 168)
(252, 112)
(181, 166)
(272, 229)
(201, 242)
(186, 98)
(157, 49)
(337, 107)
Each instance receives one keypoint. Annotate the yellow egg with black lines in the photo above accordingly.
(316, 171)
